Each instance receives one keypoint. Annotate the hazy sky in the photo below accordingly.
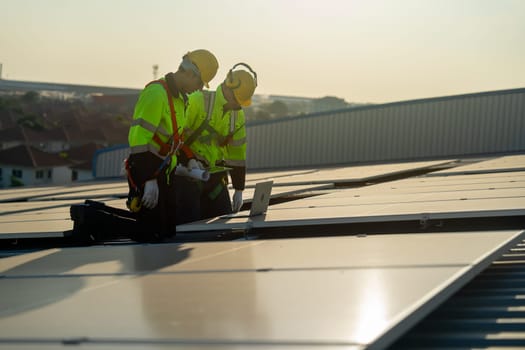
(359, 50)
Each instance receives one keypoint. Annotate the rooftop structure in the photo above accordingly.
(352, 253)
(349, 257)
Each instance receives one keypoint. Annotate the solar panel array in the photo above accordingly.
(351, 291)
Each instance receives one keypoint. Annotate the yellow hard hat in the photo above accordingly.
(242, 84)
(205, 62)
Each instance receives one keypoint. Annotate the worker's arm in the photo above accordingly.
(238, 176)
(143, 162)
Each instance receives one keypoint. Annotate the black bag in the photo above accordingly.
(95, 221)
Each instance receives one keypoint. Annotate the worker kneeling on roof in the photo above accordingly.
(156, 145)
(216, 134)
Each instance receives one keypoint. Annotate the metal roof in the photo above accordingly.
(329, 267)
(489, 312)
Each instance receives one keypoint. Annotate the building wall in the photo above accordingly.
(109, 162)
(51, 176)
(437, 128)
(7, 171)
(61, 175)
(84, 175)
(27, 177)
(464, 125)
(46, 176)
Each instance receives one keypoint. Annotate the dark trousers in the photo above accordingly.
(215, 197)
(159, 223)
(187, 199)
(197, 200)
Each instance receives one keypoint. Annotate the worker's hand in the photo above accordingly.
(151, 194)
(237, 201)
(194, 164)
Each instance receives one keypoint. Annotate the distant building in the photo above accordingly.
(61, 90)
(301, 105)
(28, 166)
(49, 140)
(103, 95)
(81, 160)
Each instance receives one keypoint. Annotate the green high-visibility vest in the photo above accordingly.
(219, 136)
(152, 117)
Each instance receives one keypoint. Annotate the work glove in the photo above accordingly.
(194, 164)
(237, 201)
(151, 194)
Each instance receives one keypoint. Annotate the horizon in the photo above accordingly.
(377, 51)
(359, 104)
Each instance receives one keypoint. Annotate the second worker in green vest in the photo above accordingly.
(215, 131)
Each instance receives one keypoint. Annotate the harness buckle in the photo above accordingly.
(174, 148)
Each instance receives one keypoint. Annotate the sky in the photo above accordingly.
(363, 51)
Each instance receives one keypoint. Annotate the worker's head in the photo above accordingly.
(240, 85)
(199, 66)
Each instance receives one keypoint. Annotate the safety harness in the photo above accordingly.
(209, 100)
(205, 125)
(167, 149)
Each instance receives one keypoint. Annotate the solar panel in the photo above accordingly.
(120, 191)
(29, 193)
(32, 206)
(282, 191)
(351, 292)
(355, 173)
(501, 164)
(299, 181)
(44, 219)
(407, 199)
(34, 228)
(21, 219)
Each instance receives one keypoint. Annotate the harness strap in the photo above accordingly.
(128, 172)
(166, 148)
(228, 138)
(205, 125)
(209, 100)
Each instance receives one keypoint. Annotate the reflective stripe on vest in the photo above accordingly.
(150, 127)
(174, 139)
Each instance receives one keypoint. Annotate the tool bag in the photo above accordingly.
(95, 221)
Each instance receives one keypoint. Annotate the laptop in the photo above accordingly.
(260, 201)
